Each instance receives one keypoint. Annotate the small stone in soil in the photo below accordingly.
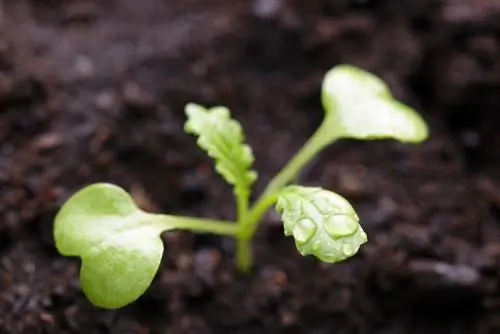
(435, 274)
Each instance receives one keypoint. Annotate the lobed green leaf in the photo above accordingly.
(119, 244)
(360, 105)
(222, 138)
(322, 223)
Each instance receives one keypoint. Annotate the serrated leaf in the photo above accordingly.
(360, 105)
(222, 138)
(322, 223)
(119, 244)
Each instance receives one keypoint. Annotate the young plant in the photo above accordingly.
(120, 245)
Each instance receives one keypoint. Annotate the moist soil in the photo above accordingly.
(94, 91)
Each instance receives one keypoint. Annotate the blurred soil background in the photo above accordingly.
(94, 91)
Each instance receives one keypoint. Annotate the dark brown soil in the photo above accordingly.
(94, 91)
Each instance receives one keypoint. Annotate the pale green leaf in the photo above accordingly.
(322, 223)
(360, 105)
(119, 244)
(222, 138)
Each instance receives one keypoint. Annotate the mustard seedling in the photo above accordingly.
(120, 245)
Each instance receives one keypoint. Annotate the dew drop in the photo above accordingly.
(316, 247)
(302, 250)
(348, 250)
(293, 215)
(338, 226)
(304, 230)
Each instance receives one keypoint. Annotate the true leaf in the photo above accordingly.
(360, 105)
(322, 223)
(222, 138)
(119, 244)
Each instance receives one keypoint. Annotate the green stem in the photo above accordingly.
(255, 215)
(312, 147)
(244, 258)
(241, 204)
(168, 222)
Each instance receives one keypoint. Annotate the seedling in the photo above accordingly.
(120, 244)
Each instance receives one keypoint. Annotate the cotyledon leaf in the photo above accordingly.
(119, 244)
(222, 138)
(322, 223)
(360, 105)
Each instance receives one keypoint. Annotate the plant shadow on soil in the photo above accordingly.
(94, 91)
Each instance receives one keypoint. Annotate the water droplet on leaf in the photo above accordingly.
(304, 230)
(348, 250)
(338, 226)
(316, 246)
